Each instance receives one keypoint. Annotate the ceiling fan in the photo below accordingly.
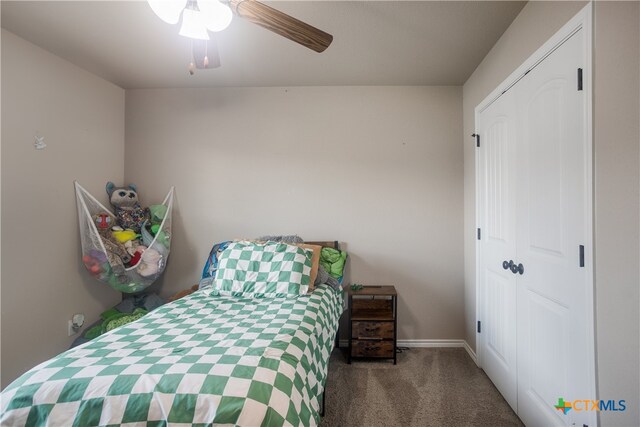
(200, 17)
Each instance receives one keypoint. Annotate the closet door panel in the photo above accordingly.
(550, 206)
(497, 223)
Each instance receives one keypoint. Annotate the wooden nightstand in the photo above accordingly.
(373, 322)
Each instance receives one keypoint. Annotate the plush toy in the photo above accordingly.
(117, 255)
(160, 235)
(96, 262)
(151, 262)
(121, 319)
(157, 213)
(129, 213)
(116, 252)
(92, 264)
(103, 222)
(112, 319)
(137, 254)
(123, 236)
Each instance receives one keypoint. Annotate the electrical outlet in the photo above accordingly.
(70, 331)
(75, 324)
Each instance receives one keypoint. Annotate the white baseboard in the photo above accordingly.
(431, 344)
(471, 353)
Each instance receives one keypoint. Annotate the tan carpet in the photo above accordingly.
(428, 387)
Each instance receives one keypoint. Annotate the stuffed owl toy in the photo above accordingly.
(129, 213)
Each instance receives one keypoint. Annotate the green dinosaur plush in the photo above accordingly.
(93, 332)
(111, 319)
(108, 314)
(120, 319)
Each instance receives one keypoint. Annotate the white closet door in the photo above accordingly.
(498, 243)
(550, 210)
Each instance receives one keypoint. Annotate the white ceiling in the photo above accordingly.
(375, 42)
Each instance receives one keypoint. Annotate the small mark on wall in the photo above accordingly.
(39, 143)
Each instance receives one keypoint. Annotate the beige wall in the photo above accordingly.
(82, 119)
(616, 155)
(379, 168)
(617, 203)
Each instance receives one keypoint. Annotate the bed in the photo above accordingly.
(201, 360)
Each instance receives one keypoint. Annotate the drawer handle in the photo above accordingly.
(375, 328)
(376, 348)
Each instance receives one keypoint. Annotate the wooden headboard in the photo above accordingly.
(334, 244)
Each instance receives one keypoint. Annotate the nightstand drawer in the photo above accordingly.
(379, 330)
(371, 348)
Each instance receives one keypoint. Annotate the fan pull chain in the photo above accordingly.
(192, 66)
(205, 61)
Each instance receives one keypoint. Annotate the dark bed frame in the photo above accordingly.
(335, 245)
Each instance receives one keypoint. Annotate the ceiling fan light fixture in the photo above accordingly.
(217, 16)
(193, 25)
(168, 10)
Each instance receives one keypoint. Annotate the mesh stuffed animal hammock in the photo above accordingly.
(110, 261)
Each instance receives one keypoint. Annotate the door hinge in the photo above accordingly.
(477, 137)
(579, 78)
(479, 326)
(479, 234)
(581, 255)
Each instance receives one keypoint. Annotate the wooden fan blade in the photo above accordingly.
(205, 53)
(281, 23)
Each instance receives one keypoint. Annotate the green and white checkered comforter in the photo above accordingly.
(201, 360)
